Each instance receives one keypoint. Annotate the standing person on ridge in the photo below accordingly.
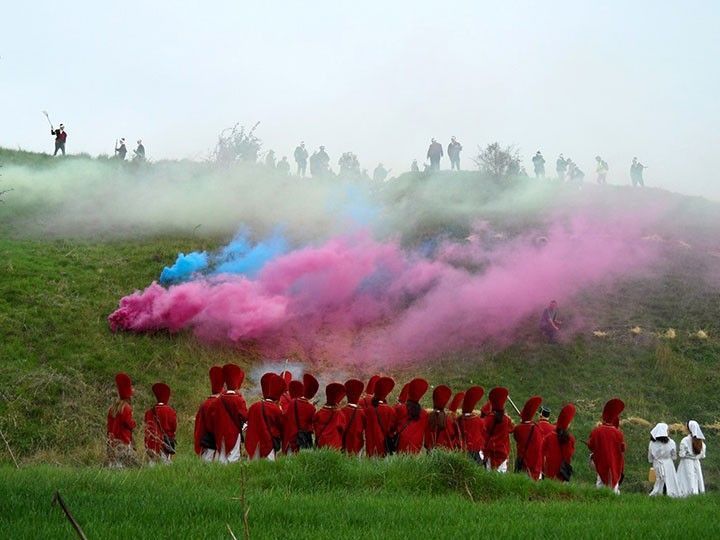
(120, 426)
(301, 158)
(121, 151)
(498, 427)
(561, 166)
(380, 421)
(412, 419)
(160, 427)
(434, 154)
(139, 152)
(204, 436)
(636, 173)
(607, 447)
(601, 169)
(60, 138)
(559, 447)
(539, 164)
(453, 152)
(380, 174)
(329, 422)
(353, 437)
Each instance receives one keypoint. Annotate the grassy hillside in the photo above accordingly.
(58, 356)
(325, 495)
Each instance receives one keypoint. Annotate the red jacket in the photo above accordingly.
(329, 425)
(284, 401)
(528, 441)
(60, 136)
(555, 453)
(120, 427)
(167, 417)
(471, 432)
(304, 415)
(229, 419)
(204, 422)
(546, 428)
(380, 422)
(264, 424)
(353, 438)
(411, 433)
(444, 434)
(497, 443)
(607, 445)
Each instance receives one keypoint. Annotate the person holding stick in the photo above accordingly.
(60, 138)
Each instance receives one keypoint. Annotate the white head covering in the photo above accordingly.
(660, 430)
(695, 430)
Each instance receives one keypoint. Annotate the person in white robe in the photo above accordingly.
(662, 453)
(689, 471)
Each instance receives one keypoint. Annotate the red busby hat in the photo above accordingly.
(162, 392)
(498, 397)
(370, 388)
(472, 396)
(612, 410)
(353, 390)
(124, 385)
(530, 408)
(456, 401)
(311, 385)
(416, 389)
(486, 409)
(441, 396)
(334, 393)
(217, 379)
(287, 377)
(402, 398)
(265, 383)
(383, 387)
(567, 413)
(276, 387)
(234, 376)
(296, 389)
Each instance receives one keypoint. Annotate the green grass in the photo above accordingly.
(326, 495)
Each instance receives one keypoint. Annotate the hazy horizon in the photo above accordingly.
(378, 79)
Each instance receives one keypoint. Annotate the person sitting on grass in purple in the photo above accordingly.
(549, 323)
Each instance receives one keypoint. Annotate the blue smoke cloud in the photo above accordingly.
(184, 268)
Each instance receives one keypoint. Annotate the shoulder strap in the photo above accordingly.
(344, 437)
(230, 414)
(157, 421)
(332, 415)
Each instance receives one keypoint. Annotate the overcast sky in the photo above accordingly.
(379, 78)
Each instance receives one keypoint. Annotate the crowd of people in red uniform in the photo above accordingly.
(287, 420)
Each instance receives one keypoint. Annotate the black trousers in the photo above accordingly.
(59, 145)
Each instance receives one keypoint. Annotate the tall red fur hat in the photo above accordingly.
(612, 410)
(486, 409)
(370, 388)
(567, 413)
(276, 387)
(234, 376)
(456, 401)
(441, 396)
(296, 389)
(530, 408)
(334, 392)
(123, 385)
(383, 387)
(311, 385)
(402, 398)
(472, 396)
(416, 389)
(161, 391)
(498, 397)
(265, 384)
(217, 379)
(353, 390)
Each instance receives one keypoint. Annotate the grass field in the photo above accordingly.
(58, 358)
(326, 495)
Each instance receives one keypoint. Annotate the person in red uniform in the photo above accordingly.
(498, 428)
(366, 401)
(160, 426)
(205, 445)
(329, 422)
(559, 447)
(471, 426)
(298, 419)
(120, 425)
(284, 401)
(607, 447)
(353, 437)
(452, 410)
(380, 422)
(231, 415)
(412, 419)
(546, 427)
(440, 430)
(528, 440)
(263, 438)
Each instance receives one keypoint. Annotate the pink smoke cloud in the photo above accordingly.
(360, 301)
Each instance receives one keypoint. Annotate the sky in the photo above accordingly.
(618, 79)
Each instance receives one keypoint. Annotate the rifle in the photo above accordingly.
(514, 406)
(48, 119)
